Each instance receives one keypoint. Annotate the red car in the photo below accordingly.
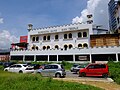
(95, 69)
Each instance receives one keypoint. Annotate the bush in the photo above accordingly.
(114, 69)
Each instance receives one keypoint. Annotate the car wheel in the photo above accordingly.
(83, 74)
(6, 70)
(105, 75)
(20, 71)
(57, 75)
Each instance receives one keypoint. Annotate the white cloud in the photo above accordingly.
(1, 20)
(6, 39)
(99, 10)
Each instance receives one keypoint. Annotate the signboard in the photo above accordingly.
(23, 39)
(82, 57)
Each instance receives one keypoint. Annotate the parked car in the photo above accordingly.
(77, 68)
(35, 66)
(7, 64)
(95, 70)
(74, 65)
(20, 68)
(56, 70)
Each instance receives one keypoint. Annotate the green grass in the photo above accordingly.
(14, 81)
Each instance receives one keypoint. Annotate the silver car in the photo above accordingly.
(53, 70)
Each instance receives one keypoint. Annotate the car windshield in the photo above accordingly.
(25, 65)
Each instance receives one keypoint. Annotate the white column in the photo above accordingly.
(48, 58)
(90, 58)
(73, 58)
(34, 58)
(23, 58)
(117, 57)
(57, 58)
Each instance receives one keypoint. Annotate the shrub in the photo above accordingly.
(114, 69)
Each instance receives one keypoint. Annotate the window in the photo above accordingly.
(56, 37)
(118, 20)
(91, 67)
(33, 39)
(56, 46)
(85, 45)
(70, 35)
(48, 37)
(44, 47)
(37, 38)
(65, 36)
(84, 34)
(79, 34)
(33, 47)
(36, 48)
(53, 66)
(70, 46)
(65, 47)
(18, 66)
(48, 47)
(44, 38)
(79, 45)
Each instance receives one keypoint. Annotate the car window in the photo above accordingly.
(25, 65)
(103, 66)
(91, 67)
(53, 66)
(47, 67)
(18, 66)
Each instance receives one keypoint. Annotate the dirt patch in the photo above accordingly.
(101, 84)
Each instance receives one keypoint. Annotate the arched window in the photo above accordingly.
(70, 46)
(56, 37)
(56, 47)
(85, 45)
(65, 47)
(36, 48)
(33, 39)
(48, 47)
(33, 48)
(48, 37)
(44, 38)
(79, 35)
(70, 35)
(44, 47)
(65, 36)
(37, 38)
(84, 34)
(79, 45)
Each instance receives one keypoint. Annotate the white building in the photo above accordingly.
(68, 42)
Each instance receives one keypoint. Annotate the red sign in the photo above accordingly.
(23, 39)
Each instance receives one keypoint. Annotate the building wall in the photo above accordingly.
(105, 40)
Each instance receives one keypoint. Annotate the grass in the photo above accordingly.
(14, 81)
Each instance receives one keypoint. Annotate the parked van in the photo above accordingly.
(95, 69)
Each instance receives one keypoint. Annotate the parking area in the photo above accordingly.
(74, 76)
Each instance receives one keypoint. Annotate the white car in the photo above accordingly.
(20, 68)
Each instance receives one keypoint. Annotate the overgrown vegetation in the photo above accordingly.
(114, 69)
(14, 81)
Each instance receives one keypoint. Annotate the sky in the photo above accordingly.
(15, 15)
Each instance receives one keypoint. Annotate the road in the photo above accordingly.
(75, 76)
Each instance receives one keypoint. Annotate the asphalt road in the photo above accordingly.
(75, 76)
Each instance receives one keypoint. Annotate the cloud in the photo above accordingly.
(99, 10)
(1, 20)
(6, 39)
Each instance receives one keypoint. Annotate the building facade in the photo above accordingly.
(112, 20)
(70, 42)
